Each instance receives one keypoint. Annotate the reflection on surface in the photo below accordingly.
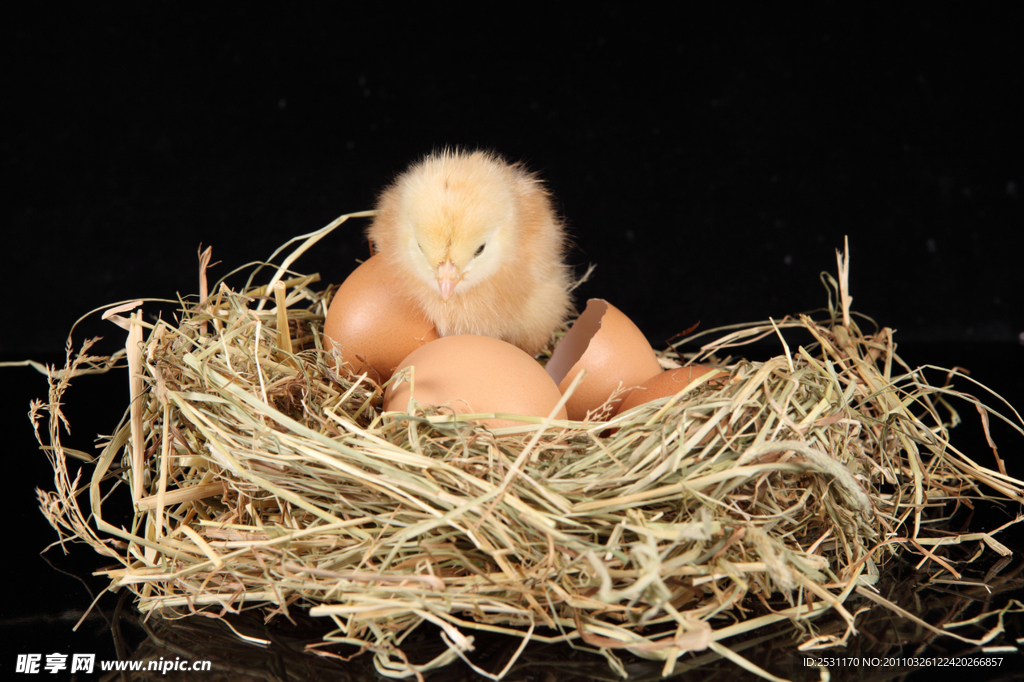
(986, 587)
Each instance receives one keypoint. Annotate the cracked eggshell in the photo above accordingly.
(667, 383)
(373, 325)
(469, 373)
(612, 350)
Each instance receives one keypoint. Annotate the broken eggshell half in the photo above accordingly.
(612, 350)
(669, 383)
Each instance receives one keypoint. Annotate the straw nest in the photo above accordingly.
(262, 476)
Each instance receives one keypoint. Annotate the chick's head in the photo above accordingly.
(457, 215)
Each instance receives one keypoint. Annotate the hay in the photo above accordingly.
(262, 476)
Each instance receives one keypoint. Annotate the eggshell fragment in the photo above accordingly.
(373, 325)
(471, 374)
(667, 383)
(612, 350)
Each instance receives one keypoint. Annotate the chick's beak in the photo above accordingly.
(447, 277)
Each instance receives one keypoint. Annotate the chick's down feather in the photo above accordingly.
(478, 247)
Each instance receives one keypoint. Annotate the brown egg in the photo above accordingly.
(373, 325)
(469, 374)
(611, 348)
(667, 383)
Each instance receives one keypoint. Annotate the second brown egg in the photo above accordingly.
(373, 324)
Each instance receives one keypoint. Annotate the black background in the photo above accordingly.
(709, 166)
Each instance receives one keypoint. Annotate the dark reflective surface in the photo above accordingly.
(878, 652)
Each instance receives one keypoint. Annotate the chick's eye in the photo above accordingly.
(479, 251)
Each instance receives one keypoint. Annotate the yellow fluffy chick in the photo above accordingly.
(478, 244)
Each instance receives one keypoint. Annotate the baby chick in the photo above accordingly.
(477, 244)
